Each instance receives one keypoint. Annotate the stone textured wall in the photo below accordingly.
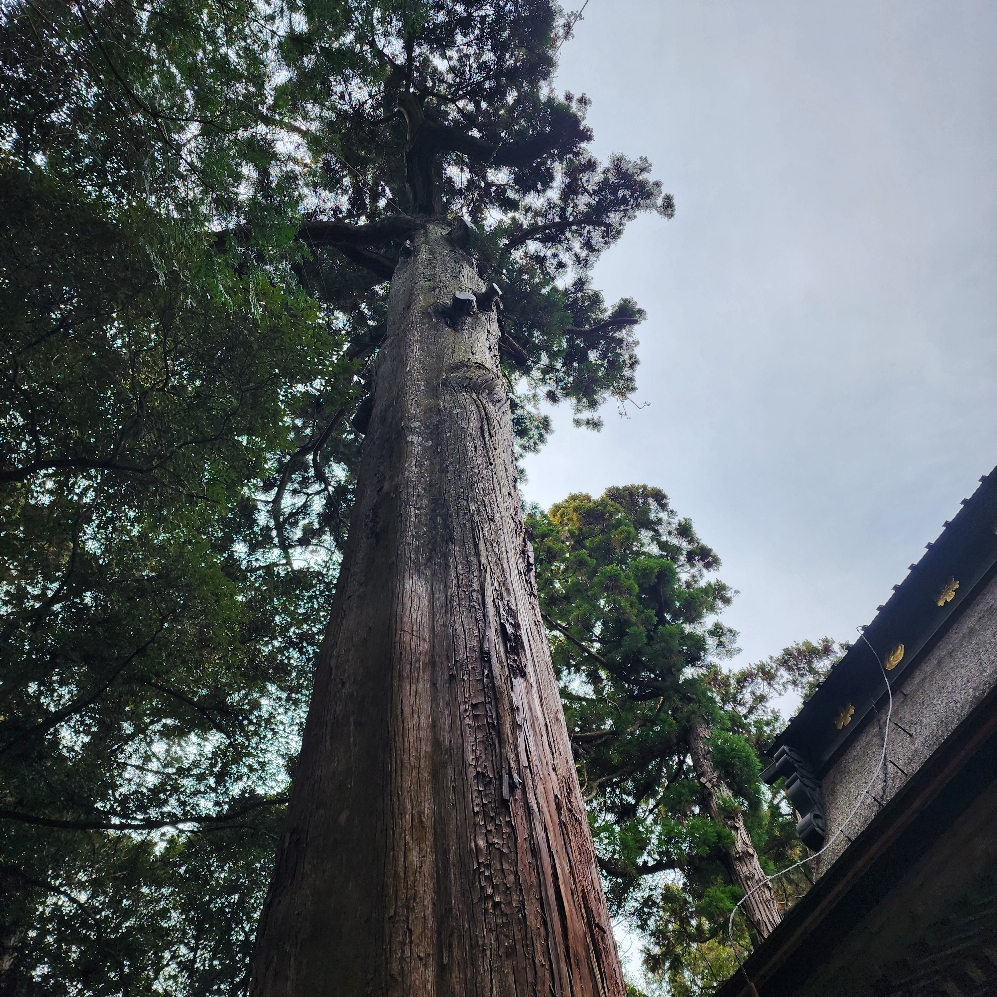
(958, 673)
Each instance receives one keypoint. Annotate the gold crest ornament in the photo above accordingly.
(947, 593)
(844, 718)
(894, 658)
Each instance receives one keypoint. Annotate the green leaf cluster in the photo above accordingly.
(156, 642)
(155, 647)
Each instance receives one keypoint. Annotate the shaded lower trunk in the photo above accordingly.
(436, 842)
(760, 907)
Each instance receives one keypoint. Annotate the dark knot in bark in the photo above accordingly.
(361, 418)
(475, 379)
(460, 233)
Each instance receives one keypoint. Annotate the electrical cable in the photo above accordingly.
(837, 834)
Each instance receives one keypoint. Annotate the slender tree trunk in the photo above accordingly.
(436, 840)
(760, 906)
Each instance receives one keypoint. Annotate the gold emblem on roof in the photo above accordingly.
(844, 718)
(947, 593)
(894, 658)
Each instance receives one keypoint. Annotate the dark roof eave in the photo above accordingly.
(914, 619)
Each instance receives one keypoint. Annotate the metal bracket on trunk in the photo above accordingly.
(464, 304)
(490, 299)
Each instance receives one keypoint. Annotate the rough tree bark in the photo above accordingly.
(436, 841)
(760, 907)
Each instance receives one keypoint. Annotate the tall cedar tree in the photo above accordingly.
(666, 741)
(180, 340)
(436, 840)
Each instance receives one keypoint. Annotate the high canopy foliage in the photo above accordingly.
(202, 205)
(627, 591)
(450, 108)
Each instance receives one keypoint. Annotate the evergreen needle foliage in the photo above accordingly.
(154, 645)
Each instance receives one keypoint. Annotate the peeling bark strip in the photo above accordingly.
(436, 840)
(760, 907)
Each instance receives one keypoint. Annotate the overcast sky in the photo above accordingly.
(819, 354)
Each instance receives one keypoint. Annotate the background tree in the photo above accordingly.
(665, 737)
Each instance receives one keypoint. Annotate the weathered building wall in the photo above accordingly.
(958, 672)
(942, 910)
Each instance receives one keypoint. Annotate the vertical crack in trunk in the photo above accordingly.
(500, 682)
(436, 843)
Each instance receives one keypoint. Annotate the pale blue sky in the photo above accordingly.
(819, 355)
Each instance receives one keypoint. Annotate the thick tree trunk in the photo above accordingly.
(760, 907)
(436, 840)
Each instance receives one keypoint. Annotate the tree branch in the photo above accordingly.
(213, 713)
(44, 884)
(84, 908)
(288, 126)
(313, 446)
(621, 871)
(610, 323)
(105, 463)
(82, 702)
(150, 824)
(321, 232)
(377, 263)
(574, 640)
(512, 349)
(77, 464)
(353, 241)
(552, 228)
(515, 152)
(595, 735)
